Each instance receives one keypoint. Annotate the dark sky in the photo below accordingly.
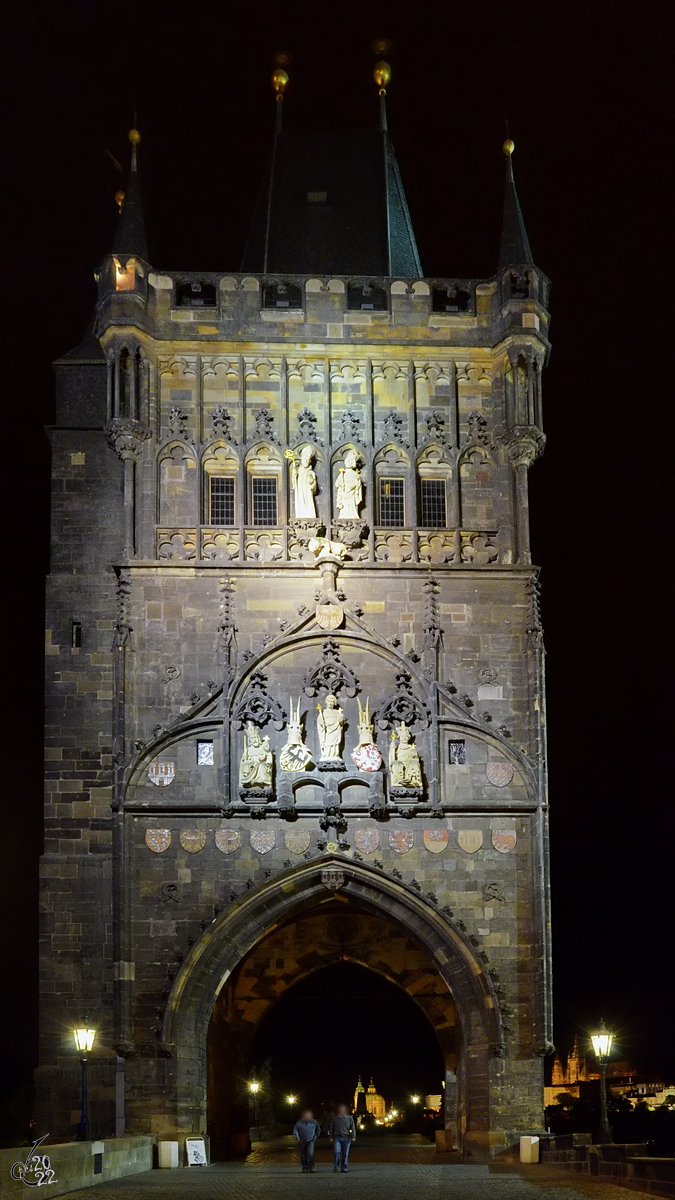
(583, 87)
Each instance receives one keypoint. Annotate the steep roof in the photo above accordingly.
(332, 203)
(515, 249)
(130, 236)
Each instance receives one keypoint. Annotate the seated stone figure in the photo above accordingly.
(404, 761)
(255, 768)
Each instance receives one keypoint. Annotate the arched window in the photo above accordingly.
(435, 482)
(263, 472)
(177, 485)
(392, 498)
(220, 468)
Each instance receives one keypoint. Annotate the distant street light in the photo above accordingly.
(84, 1040)
(291, 1099)
(414, 1099)
(602, 1046)
(254, 1088)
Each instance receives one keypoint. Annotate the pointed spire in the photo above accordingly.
(514, 250)
(402, 256)
(130, 236)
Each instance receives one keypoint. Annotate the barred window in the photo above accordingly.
(392, 503)
(264, 495)
(457, 754)
(221, 500)
(432, 494)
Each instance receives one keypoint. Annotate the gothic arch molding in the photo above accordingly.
(233, 935)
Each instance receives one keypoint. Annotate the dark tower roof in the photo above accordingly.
(130, 236)
(333, 203)
(515, 247)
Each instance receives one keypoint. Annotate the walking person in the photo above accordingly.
(305, 1131)
(342, 1132)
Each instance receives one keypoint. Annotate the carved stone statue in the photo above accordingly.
(348, 488)
(366, 755)
(404, 761)
(303, 481)
(255, 768)
(330, 722)
(322, 547)
(295, 755)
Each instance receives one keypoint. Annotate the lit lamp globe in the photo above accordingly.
(602, 1042)
(414, 1099)
(84, 1039)
(254, 1087)
(291, 1099)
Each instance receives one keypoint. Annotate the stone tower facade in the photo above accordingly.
(294, 659)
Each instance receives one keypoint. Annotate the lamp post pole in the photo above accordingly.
(82, 1129)
(602, 1045)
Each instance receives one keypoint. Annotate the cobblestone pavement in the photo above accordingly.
(271, 1172)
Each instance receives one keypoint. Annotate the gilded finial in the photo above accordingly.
(382, 75)
(508, 147)
(134, 137)
(119, 200)
(279, 81)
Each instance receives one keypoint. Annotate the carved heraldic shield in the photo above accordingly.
(367, 840)
(263, 841)
(192, 840)
(228, 840)
(499, 774)
(435, 840)
(161, 773)
(158, 840)
(401, 840)
(504, 840)
(470, 840)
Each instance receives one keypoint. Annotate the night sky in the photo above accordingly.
(583, 88)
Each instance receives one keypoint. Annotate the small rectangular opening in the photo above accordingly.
(205, 754)
(264, 497)
(457, 753)
(98, 1164)
(76, 634)
(392, 503)
(221, 500)
(317, 197)
(432, 494)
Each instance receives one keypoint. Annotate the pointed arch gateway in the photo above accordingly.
(233, 935)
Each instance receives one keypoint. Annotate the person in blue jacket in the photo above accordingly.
(305, 1131)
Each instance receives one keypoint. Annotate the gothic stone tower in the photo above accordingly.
(294, 655)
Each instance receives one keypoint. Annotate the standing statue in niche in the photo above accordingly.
(404, 761)
(330, 722)
(255, 768)
(303, 481)
(348, 488)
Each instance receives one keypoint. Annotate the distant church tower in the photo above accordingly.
(294, 655)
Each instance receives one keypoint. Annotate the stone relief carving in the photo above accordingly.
(330, 722)
(303, 481)
(221, 422)
(404, 705)
(404, 761)
(126, 437)
(348, 488)
(295, 756)
(177, 543)
(256, 765)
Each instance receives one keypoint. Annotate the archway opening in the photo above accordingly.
(333, 994)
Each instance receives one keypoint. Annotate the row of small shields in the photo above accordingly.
(366, 841)
(367, 758)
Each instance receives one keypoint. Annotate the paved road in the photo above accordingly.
(412, 1169)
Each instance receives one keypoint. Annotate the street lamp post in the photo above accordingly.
(602, 1046)
(84, 1040)
(254, 1088)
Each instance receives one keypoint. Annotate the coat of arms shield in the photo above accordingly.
(263, 841)
(435, 840)
(192, 840)
(504, 840)
(401, 840)
(470, 840)
(161, 773)
(367, 758)
(333, 878)
(158, 840)
(499, 773)
(297, 841)
(367, 840)
(329, 616)
(228, 840)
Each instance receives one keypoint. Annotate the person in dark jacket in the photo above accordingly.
(342, 1132)
(305, 1132)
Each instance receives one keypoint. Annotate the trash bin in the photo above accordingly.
(529, 1149)
(167, 1154)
